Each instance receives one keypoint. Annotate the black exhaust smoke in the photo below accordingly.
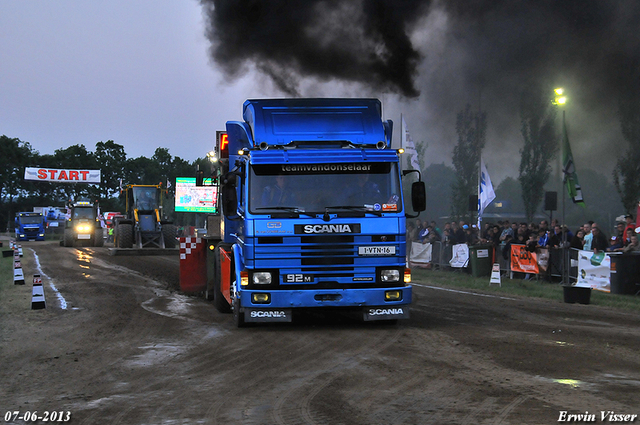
(363, 41)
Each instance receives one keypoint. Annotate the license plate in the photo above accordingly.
(297, 278)
(80, 236)
(376, 250)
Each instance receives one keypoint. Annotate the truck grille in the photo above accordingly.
(331, 259)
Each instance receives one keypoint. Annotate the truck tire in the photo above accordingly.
(98, 237)
(169, 235)
(69, 236)
(219, 300)
(125, 235)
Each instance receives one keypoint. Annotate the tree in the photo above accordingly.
(15, 155)
(76, 157)
(438, 179)
(471, 128)
(627, 169)
(112, 159)
(538, 130)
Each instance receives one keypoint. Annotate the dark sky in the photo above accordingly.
(428, 59)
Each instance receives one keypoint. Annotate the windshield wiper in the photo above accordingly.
(355, 208)
(289, 209)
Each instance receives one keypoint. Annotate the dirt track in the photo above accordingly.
(130, 350)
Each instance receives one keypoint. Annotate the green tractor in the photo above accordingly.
(142, 225)
(83, 225)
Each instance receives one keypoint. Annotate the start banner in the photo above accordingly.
(62, 176)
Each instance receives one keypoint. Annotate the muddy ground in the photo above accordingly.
(127, 348)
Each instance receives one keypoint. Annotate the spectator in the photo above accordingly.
(412, 232)
(620, 230)
(470, 234)
(627, 238)
(544, 224)
(525, 230)
(435, 227)
(434, 235)
(555, 237)
(566, 230)
(630, 223)
(507, 231)
(423, 234)
(600, 242)
(577, 241)
(615, 244)
(447, 233)
(634, 245)
(532, 242)
(522, 236)
(543, 237)
(588, 236)
(459, 235)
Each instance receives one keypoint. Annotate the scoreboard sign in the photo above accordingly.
(62, 176)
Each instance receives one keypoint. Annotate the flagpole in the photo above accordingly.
(566, 258)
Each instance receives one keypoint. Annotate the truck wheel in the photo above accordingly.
(169, 235)
(98, 237)
(219, 300)
(125, 236)
(69, 236)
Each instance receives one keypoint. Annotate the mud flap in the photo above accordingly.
(385, 313)
(267, 315)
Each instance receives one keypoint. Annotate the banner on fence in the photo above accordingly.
(524, 261)
(420, 253)
(594, 271)
(460, 255)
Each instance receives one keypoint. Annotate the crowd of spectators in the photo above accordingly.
(590, 236)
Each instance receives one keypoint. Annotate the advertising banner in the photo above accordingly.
(594, 271)
(62, 176)
(420, 253)
(460, 255)
(523, 261)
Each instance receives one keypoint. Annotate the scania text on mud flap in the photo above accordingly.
(313, 212)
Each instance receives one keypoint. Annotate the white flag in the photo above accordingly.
(486, 193)
(409, 147)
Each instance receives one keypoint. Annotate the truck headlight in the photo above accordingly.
(392, 275)
(261, 278)
(83, 228)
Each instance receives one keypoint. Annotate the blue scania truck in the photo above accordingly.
(313, 213)
(29, 226)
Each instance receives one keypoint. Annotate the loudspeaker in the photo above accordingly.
(550, 201)
(473, 202)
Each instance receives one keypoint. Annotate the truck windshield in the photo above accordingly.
(83, 213)
(315, 187)
(145, 198)
(30, 219)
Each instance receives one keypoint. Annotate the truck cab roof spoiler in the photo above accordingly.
(300, 123)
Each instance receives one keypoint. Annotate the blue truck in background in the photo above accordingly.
(313, 213)
(29, 226)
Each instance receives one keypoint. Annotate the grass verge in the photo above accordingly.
(519, 287)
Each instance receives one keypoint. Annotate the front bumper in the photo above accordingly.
(371, 301)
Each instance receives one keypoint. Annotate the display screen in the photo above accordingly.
(192, 198)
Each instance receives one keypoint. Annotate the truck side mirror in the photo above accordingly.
(229, 200)
(418, 196)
